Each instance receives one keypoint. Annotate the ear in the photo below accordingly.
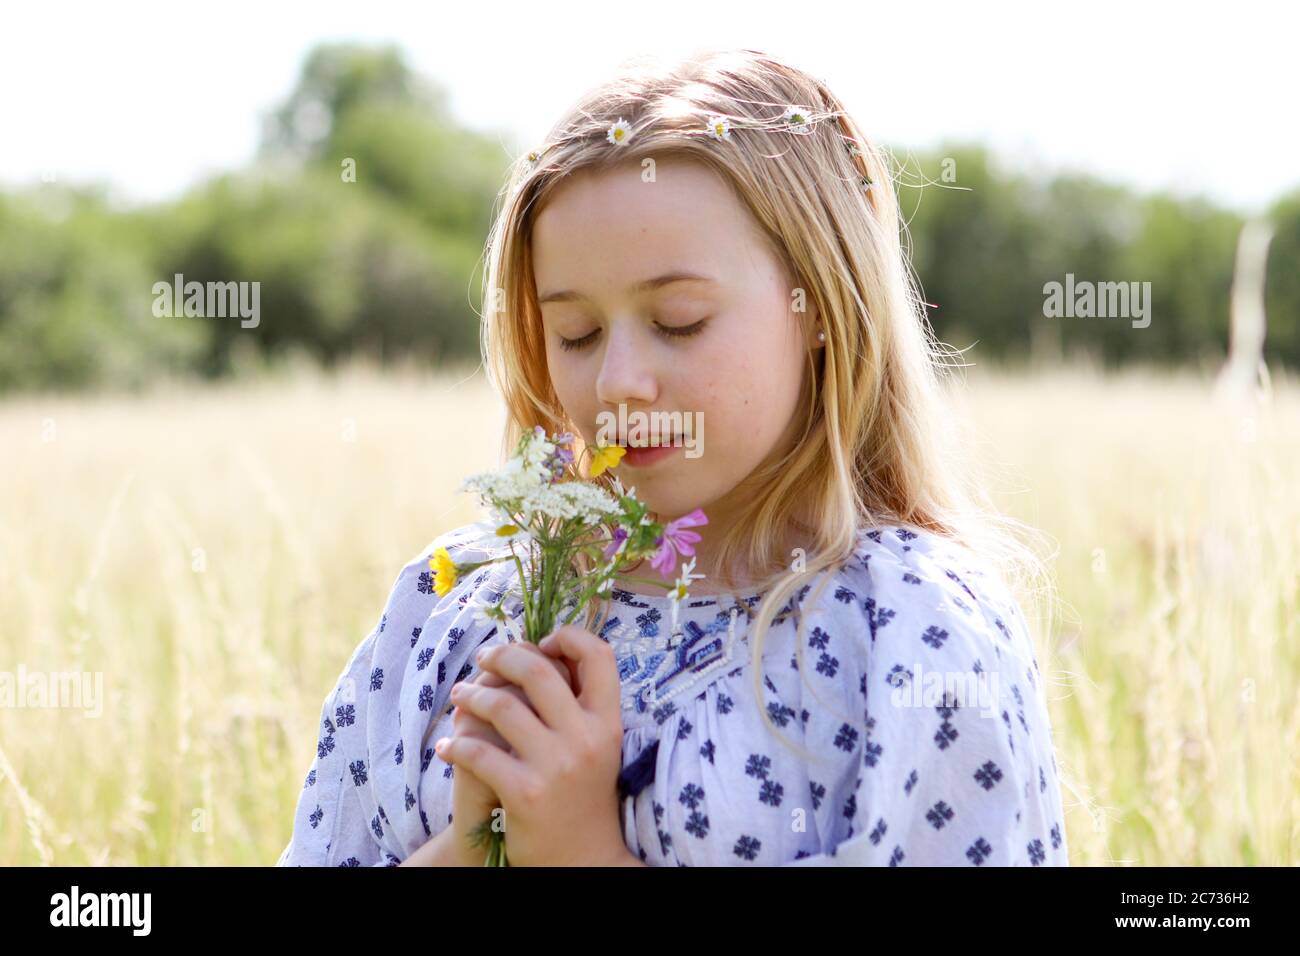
(812, 326)
(805, 311)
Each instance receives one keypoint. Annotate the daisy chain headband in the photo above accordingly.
(796, 119)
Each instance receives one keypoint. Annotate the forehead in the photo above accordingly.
(610, 228)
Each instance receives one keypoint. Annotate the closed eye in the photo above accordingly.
(672, 332)
(570, 344)
(679, 331)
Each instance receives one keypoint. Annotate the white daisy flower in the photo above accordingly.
(719, 128)
(681, 586)
(620, 491)
(513, 634)
(507, 532)
(620, 132)
(486, 613)
(798, 118)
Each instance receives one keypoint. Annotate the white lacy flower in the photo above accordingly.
(572, 499)
(514, 481)
(522, 494)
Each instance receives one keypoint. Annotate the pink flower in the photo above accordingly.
(677, 540)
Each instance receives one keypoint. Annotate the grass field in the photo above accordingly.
(217, 553)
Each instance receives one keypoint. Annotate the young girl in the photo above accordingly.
(853, 681)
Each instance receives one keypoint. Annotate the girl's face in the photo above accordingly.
(620, 329)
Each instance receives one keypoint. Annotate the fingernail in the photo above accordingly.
(440, 744)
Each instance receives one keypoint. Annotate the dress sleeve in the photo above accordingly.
(329, 825)
(952, 742)
(332, 825)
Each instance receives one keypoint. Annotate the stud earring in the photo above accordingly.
(821, 336)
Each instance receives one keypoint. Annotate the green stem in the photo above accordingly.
(522, 589)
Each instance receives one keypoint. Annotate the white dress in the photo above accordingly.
(916, 688)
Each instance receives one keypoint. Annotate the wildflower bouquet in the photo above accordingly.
(551, 519)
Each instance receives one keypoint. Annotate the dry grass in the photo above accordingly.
(217, 554)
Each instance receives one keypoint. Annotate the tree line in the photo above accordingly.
(364, 215)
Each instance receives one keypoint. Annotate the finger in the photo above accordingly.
(488, 679)
(492, 765)
(598, 684)
(510, 717)
(548, 693)
(494, 680)
(471, 798)
(463, 721)
(467, 724)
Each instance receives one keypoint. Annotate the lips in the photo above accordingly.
(648, 455)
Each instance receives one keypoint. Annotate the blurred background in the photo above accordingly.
(209, 512)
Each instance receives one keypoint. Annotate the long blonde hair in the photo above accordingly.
(876, 445)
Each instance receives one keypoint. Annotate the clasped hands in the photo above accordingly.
(539, 733)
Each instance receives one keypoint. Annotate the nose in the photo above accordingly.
(627, 374)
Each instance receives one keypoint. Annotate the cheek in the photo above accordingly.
(753, 389)
(574, 384)
(745, 410)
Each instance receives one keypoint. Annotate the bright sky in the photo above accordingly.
(1199, 98)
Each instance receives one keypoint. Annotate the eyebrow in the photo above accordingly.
(646, 285)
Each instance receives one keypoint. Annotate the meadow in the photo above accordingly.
(217, 552)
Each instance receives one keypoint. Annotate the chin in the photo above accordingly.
(672, 499)
(661, 496)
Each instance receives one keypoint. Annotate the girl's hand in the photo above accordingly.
(559, 786)
(472, 800)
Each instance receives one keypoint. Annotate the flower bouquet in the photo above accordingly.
(568, 537)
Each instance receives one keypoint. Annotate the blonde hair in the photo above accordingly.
(875, 444)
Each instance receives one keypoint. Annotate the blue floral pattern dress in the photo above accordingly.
(914, 690)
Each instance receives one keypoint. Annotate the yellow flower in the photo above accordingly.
(444, 571)
(606, 456)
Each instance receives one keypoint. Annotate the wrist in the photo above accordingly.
(439, 850)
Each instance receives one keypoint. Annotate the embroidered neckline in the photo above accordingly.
(631, 598)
